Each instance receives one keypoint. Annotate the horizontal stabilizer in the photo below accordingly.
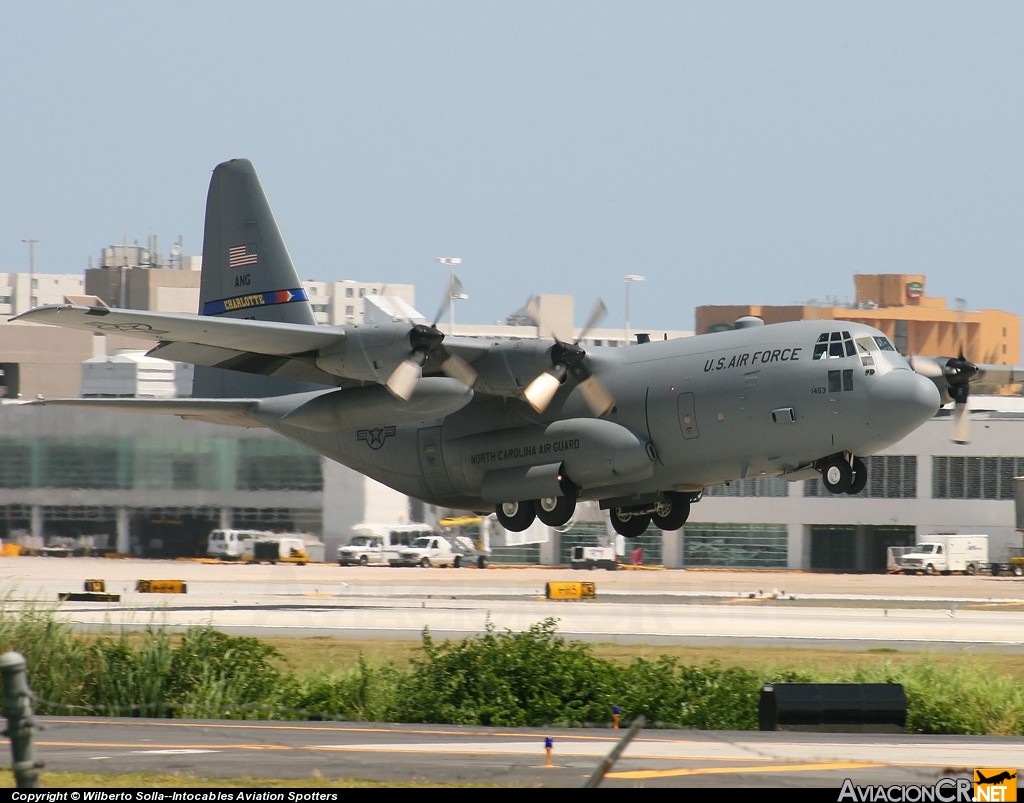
(229, 412)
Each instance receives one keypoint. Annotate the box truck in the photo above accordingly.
(945, 553)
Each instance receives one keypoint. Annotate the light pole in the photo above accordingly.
(31, 267)
(629, 279)
(454, 289)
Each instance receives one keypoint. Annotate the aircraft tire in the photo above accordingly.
(554, 511)
(837, 475)
(515, 516)
(676, 512)
(629, 526)
(860, 477)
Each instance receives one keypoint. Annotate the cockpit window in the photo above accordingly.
(884, 344)
(834, 345)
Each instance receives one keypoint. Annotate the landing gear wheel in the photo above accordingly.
(515, 516)
(554, 511)
(672, 513)
(860, 477)
(837, 475)
(629, 525)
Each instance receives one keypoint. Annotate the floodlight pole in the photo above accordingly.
(31, 267)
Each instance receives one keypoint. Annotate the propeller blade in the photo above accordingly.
(596, 314)
(541, 390)
(927, 366)
(457, 368)
(403, 379)
(597, 397)
(961, 423)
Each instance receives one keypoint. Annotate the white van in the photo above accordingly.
(377, 544)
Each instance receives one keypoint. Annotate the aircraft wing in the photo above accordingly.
(285, 350)
(333, 356)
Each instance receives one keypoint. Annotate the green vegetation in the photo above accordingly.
(506, 679)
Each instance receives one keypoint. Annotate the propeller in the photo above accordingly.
(566, 359)
(953, 376)
(427, 341)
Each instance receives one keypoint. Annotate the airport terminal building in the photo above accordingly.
(155, 485)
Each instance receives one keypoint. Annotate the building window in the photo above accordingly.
(270, 464)
(889, 477)
(975, 477)
(754, 486)
(753, 546)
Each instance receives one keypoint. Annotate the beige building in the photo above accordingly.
(899, 306)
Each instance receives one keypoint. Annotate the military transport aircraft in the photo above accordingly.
(522, 427)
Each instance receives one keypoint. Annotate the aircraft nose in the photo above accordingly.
(901, 402)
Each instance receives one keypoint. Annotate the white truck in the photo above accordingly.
(945, 553)
(232, 544)
(594, 557)
(376, 544)
(440, 550)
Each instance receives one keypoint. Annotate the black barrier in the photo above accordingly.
(833, 707)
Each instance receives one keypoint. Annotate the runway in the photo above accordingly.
(649, 606)
(788, 609)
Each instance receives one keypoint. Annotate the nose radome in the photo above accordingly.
(902, 401)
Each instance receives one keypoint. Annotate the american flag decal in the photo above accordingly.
(241, 255)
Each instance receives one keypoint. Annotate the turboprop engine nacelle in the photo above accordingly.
(355, 408)
(368, 352)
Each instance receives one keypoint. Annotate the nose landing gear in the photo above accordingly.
(844, 474)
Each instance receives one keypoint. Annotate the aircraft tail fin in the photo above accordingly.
(247, 273)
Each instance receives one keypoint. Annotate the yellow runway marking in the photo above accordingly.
(638, 774)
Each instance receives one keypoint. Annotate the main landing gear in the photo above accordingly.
(668, 512)
(843, 473)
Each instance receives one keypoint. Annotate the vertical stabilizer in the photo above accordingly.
(247, 273)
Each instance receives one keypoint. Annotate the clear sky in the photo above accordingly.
(731, 152)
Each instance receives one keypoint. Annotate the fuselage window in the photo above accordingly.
(839, 381)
